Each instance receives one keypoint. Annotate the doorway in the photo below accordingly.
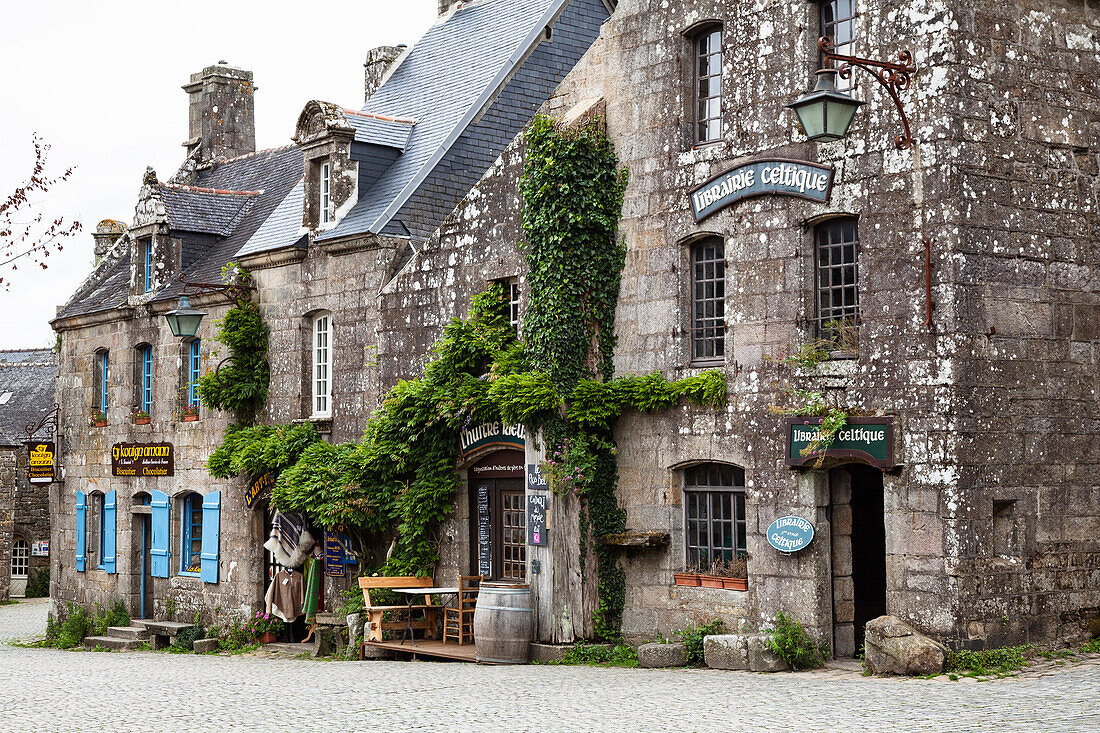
(858, 553)
(498, 517)
(20, 564)
(142, 531)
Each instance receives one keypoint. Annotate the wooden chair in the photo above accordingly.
(458, 620)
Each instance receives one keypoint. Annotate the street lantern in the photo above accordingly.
(184, 320)
(825, 113)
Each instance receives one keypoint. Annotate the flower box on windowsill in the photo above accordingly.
(697, 580)
(142, 420)
(690, 580)
(99, 423)
(187, 417)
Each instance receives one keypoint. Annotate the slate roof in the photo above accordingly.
(443, 82)
(29, 375)
(210, 211)
(230, 201)
(379, 130)
(283, 228)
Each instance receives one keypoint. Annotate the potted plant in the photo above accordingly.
(690, 578)
(190, 413)
(732, 574)
(99, 419)
(263, 627)
(139, 417)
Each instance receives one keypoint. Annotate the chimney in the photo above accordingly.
(379, 62)
(106, 233)
(221, 117)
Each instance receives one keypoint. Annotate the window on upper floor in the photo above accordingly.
(100, 380)
(147, 260)
(191, 534)
(191, 364)
(708, 84)
(327, 210)
(714, 514)
(143, 383)
(836, 282)
(838, 22)
(510, 306)
(708, 300)
(322, 365)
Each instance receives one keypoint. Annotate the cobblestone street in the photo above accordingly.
(50, 690)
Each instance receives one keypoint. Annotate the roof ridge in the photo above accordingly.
(200, 189)
(29, 348)
(384, 118)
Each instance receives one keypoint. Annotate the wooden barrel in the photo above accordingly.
(503, 623)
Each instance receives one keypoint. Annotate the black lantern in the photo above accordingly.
(184, 320)
(825, 113)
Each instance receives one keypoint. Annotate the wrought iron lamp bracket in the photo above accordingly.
(235, 292)
(895, 77)
(48, 421)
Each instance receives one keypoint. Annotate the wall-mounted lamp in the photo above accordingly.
(184, 320)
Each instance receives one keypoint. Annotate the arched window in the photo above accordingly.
(20, 558)
(836, 281)
(322, 365)
(707, 55)
(714, 507)
(191, 534)
(708, 301)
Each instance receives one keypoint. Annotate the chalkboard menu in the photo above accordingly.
(484, 544)
(536, 519)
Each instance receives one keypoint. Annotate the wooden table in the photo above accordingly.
(410, 595)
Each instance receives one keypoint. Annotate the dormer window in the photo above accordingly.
(328, 213)
(147, 259)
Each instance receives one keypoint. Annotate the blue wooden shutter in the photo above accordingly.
(158, 543)
(109, 513)
(211, 520)
(81, 530)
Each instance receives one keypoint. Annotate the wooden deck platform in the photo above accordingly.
(427, 648)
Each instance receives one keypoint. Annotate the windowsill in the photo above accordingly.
(187, 574)
(706, 363)
(712, 582)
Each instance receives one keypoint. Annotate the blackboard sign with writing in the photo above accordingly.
(484, 546)
(536, 519)
(535, 480)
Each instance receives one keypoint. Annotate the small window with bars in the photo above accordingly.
(714, 503)
(838, 22)
(708, 85)
(322, 366)
(708, 301)
(836, 282)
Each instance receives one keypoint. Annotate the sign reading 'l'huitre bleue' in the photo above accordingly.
(760, 177)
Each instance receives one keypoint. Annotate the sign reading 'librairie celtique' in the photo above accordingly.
(142, 459)
(870, 439)
(493, 433)
(761, 177)
(40, 462)
(790, 534)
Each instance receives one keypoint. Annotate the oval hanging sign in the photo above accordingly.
(790, 534)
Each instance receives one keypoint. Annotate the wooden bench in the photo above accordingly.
(375, 625)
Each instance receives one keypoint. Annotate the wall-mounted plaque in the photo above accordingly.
(868, 439)
(142, 459)
(759, 178)
(790, 534)
(259, 488)
(492, 434)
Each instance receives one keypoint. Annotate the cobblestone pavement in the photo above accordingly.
(51, 690)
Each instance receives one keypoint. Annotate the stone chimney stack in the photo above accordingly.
(379, 61)
(221, 118)
(106, 233)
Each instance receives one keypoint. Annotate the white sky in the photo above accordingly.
(100, 82)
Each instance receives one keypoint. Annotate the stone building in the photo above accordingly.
(952, 283)
(27, 381)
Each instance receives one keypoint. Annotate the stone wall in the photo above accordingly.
(32, 513)
(8, 481)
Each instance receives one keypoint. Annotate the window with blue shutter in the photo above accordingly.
(104, 377)
(211, 519)
(191, 534)
(98, 500)
(194, 373)
(107, 535)
(81, 530)
(146, 378)
(158, 542)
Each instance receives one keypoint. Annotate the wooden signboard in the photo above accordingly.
(484, 526)
(40, 461)
(142, 459)
(259, 489)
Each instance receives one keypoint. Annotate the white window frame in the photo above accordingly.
(321, 360)
(328, 213)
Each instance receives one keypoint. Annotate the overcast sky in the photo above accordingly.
(100, 82)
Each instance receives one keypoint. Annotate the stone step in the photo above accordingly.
(163, 628)
(112, 642)
(128, 632)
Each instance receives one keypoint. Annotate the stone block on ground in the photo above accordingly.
(726, 651)
(892, 646)
(761, 658)
(202, 646)
(662, 655)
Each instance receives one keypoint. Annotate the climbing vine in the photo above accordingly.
(241, 382)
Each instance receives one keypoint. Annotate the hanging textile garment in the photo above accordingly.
(290, 543)
(285, 595)
(313, 569)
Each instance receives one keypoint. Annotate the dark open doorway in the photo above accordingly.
(859, 553)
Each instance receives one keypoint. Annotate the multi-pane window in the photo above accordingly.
(514, 535)
(193, 363)
(145, 378)
(714, 501)
(836, 279)
(838, 19)
(191, 535)
(327, 213)
(100, 506)
(708, 300)
(20, 558)
(708, 85)
(102, 379)
(147, 252)
(322, 361)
